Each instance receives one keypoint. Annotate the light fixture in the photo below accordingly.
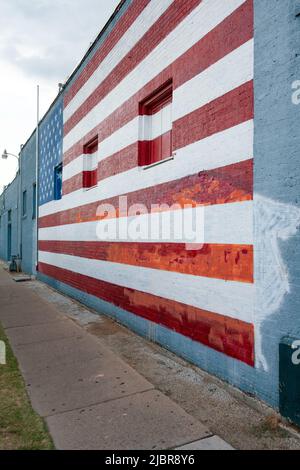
(5, 155)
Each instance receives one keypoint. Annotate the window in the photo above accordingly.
(155, 142)
(24, 205)
(58, 182)
(33, 201)
(90, 164)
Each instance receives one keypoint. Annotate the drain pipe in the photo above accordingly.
(37, 177)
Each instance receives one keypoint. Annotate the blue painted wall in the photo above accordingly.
(50, 154)
(98, 43)
(276, 186)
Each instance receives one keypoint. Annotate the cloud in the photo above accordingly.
(47, 38)
(41, 43)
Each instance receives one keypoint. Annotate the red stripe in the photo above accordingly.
(173, 16)
(232, 109)
(232, 183)
(226, 335)
(226, 37)
(227, 262)
(126, 21)
(158, 100)
(122, 161)
(125, 160)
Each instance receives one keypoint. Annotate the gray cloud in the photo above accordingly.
(47, 38)
(41, 41)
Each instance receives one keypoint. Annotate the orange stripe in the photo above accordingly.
(233, 183)
(228, 262)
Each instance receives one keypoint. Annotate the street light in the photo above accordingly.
(6, 154)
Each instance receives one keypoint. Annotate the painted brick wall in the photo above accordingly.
(276, 195)
(9, 201)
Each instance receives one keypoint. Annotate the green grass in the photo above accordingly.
(20, 427)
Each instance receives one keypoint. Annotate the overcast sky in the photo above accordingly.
(41, 41)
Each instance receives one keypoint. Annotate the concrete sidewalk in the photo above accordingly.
(90, 398)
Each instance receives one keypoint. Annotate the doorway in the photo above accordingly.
(9, 242)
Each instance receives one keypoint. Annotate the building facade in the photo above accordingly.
(10, 221)
(18, 229)
(168, 182)
(28, 206)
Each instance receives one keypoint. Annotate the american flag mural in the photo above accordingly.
(50, 152)
(162, 114)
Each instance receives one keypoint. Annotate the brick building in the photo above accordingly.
(182, 110)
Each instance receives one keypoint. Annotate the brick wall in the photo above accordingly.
(9, 202)
(276, 186)
(276, 195)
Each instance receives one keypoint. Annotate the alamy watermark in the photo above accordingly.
(181, 223)
(296, 93)
(2, 353)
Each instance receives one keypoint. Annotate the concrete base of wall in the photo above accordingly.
(233, 372)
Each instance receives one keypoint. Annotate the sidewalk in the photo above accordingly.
(90, 397)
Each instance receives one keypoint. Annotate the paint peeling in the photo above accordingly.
(274, 222)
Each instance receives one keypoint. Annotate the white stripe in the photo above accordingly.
(193, 28)
(224, 224)
(137, 129)
(90, 162)
(232, 299)
(159, 123)
(86, 162)
(232, 71)
(225, 148)
(137, 30)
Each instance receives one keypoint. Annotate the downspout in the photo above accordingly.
(37, 179)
